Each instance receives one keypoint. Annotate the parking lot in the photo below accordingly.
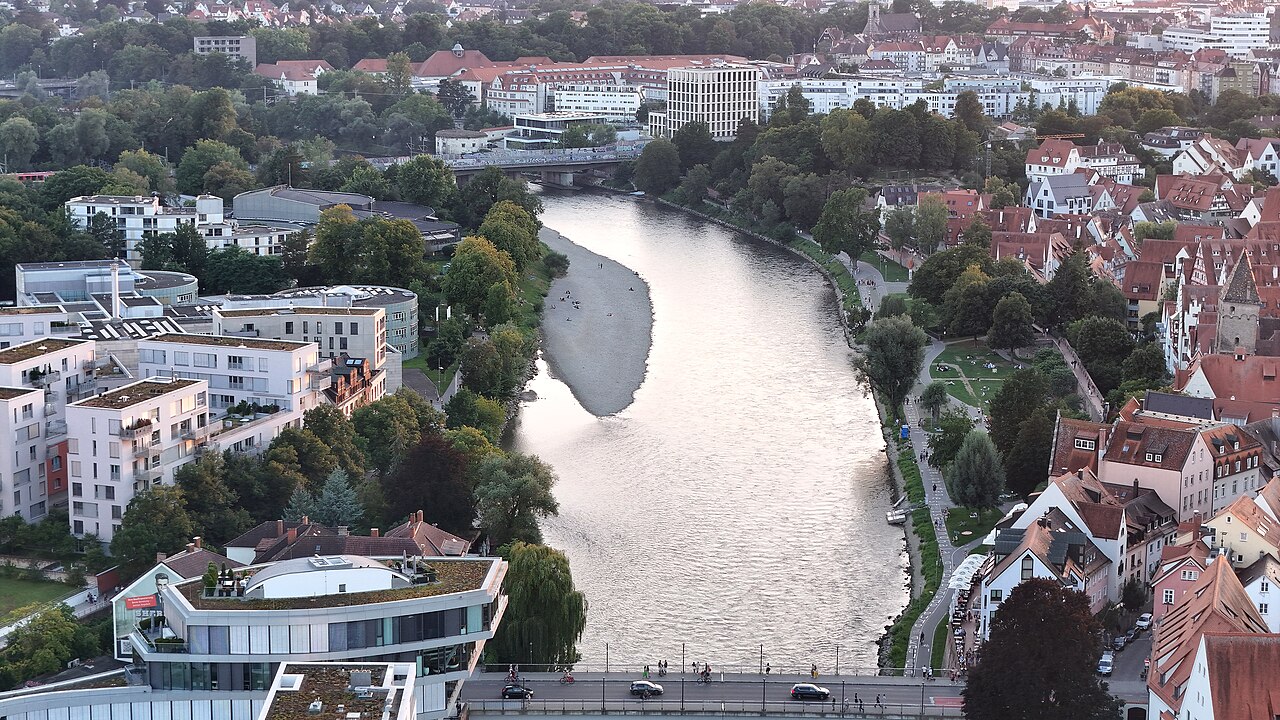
(1128, 663)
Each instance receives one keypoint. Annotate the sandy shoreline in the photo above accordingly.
(600, 347)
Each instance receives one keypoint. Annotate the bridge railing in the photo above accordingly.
(665, 705)
(755, 670)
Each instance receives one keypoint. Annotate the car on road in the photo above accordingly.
(809, 691)
(516, 692)
(1106, 664)
(1143, 623)
(1119, 642)
(644, 687)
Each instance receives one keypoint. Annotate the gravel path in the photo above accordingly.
(598, 324)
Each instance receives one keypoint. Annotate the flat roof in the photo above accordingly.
(453, 576)
(9, 393)
(333, 685)
(115, 199)
(35, 348)
(72, 265)
(135, 393)
(31, 310)
(161, 279)
(300, 310)
(231, 342)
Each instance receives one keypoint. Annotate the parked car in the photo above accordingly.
(1119, 642)
(809, 691)
(516, 692)
(644, 687)
(1106, 664)
(1144, 622)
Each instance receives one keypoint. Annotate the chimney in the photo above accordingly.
(279, 528)
(191, 547)
(419, 518)
(115, 289)
(1080, 473)
(160, 557)
(306, 520)
(373, 532)
(292, 535)
(343, 531)
(1135, 487)
(199, 541)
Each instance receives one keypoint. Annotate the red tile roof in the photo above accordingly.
(1131, 442)
(1052, 152)
(1067, 458)
(1242, 670)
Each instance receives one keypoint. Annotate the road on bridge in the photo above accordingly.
(727, 692)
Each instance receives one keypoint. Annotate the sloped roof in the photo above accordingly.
(1241, 286)
(1067, 458)
(1216, 603)
(444, 63)
(1242, 671)
(1053, 152)
(194, 562)
(1132, 441)
(1098, 508)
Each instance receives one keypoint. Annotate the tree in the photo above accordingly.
(425, 180)
(1011, 323)
(235, 270)
(477, 268)
(695, 145)
(1003, 194)
(513, 230)
(1160, 231)
(846, 225)
(512, 493)
(40, 646)
(954, 426)
(71, 182)
(1069, 290)
(694, 187)
(301, 505)
(1146, 362)
(470, 409)
(1054, 662)
(19, 140)
(969, 111)
(336, 503)
(472, 201)
(155, 521)
(803, 199)
(545, 614)
(976, 476)
(150, 166)
(389, 428)
(891, 305)
(658, 169)
(399, 75)
(1026, 465)
(336, 433)
(585, 135)
(846, 139)
(217, 515)
(454, 96)
(336, 249)
(893, 358)
(900, 226)
(432, 478)
(930, 223)
(934, 397)
(1019, 396)
(978, 233)
(1133, 595)
(201, 158)
(226, 180)
(1102, 344)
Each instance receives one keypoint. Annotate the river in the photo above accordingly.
(740, 500)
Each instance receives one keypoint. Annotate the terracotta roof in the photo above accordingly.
(194, 562)
(1216, 603)
(1052, 152)
(444, 63)
(1132, 442)
(1242, 671)
(1246, 512)
(430, 538)
(1269, 497)
(1098, 507)
(1142, 280)
(1252, 377)
(1067, 458)
(371, 65)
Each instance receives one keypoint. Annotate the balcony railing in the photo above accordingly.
(160, 644)
(195, 433)
(55, 428)
(137, 431)
(142, 449)
(47, 379)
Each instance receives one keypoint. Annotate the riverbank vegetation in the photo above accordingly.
(898, 636)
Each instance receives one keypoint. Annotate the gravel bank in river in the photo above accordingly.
(597, 325)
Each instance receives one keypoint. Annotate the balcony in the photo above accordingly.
(159, 640)
(45, 379)
(194, 433)
(55, 428)
(141, 428)
(142, 449)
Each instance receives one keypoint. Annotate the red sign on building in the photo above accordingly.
(139, 602)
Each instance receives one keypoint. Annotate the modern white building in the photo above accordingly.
(239, 47)
(357, 332)
(77, 281)
(140, 217)
(125, 441)
(721, 95)
(1234, 33)
(537, 131)
(618, 104)
(241, 371)
(460, 142)
(20, 324)
(37, 380)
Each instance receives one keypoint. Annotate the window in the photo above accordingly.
(1168, 597)
(235, 362)
(337, 328)
(206, 360)
(1085, 444)
(1265, 586)
(1244, 537)
(1028, 565)
(342, 343)
(288, 328)
(181, 358)
(1190, 575)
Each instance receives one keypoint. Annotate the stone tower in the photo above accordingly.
(873, 18)
(1238, 309)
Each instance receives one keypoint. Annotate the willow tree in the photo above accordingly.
(545, 614)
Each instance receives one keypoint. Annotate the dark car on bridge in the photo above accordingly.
(645, 688)
(516, 692)
(809, 691)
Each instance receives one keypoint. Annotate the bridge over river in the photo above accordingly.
(557, 166)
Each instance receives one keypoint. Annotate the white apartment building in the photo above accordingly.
(1234, 33)
(38, 379)
(358, 332)
(239, 47)
(720, 95)
(139, 217)
(618, 104)
(20, 324)
(268, 373)
(127, 440)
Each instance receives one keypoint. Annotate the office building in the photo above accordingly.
(720, 95)
(239, 47)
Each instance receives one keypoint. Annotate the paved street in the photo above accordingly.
(737, 693)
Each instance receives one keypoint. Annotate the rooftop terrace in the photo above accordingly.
(35, 349)
(260, 312)
(451, 576)
(9, 393)
(231, 342)
(31, 310)
(138, 392)
(333, 686)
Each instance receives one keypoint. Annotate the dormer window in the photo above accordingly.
(1085, 444)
